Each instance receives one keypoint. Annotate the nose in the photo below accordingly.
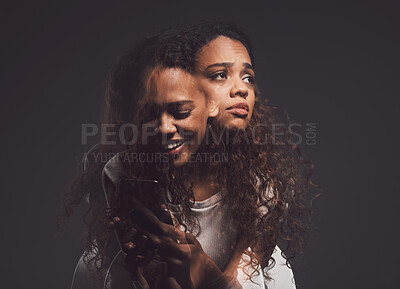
(239, 88)
(167, 126)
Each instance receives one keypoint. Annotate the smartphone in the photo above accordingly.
(148, 193)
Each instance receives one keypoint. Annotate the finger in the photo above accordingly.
(170, 236)
(137, 252)
(175, 221)
(156, 239)
(136, 275)
(180, 236)
(141, 243)
(130, 236)
(142, 281)
(172, 262)
(112, 224)
(148, 257)
(169, 248)
(171, 283)
(139, 260)
(181, 257)
(118, 224)
(165, 244)
(116, 221)
(137, 248)
(164, 215)
(120, 228)
(128, 246)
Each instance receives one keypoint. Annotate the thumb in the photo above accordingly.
(192, 239)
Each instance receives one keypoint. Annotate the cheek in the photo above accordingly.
(216, 92)
(252, 101)
(202, 124)
(197, 123)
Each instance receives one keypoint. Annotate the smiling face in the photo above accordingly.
(225, 74)
(179, 110)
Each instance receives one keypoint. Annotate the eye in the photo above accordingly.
(219, 76)
(180, 110)
(248, 78)
(181, 114)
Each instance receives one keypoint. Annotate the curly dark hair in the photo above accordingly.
(266, 177)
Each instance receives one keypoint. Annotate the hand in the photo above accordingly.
(140, 258)
(132, 243)
(137, 259)
(186, 260)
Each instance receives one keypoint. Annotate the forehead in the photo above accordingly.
(172, 85)
(223, 49)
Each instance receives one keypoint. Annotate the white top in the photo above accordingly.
(217, 237)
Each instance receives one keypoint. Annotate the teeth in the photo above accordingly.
(174, 145)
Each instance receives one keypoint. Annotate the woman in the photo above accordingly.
(269, 173)
(179, 111)
(266, 178)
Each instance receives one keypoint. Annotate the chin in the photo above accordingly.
(179, 163)
(237, 124)
(181, 160)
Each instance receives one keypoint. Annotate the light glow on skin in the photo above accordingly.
(179, 110)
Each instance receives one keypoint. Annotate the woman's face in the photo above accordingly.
(179, 110)
(225, 74)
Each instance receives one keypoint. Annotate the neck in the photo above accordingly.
(204, 184)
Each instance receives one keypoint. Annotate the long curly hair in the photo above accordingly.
(266, 178)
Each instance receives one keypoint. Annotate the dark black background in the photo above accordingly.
(332, 63)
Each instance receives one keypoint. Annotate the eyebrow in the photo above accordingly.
(181, 102)
(248, 65)
(170, 104)
(229, 64)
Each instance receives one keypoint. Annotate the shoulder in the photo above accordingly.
(87, 275)
(282, 276)
(114, 169)
(84, 277)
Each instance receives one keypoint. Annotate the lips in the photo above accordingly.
(240, 109)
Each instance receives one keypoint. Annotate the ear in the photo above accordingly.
(213, 108)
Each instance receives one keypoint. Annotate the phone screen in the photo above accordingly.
(147, 192)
